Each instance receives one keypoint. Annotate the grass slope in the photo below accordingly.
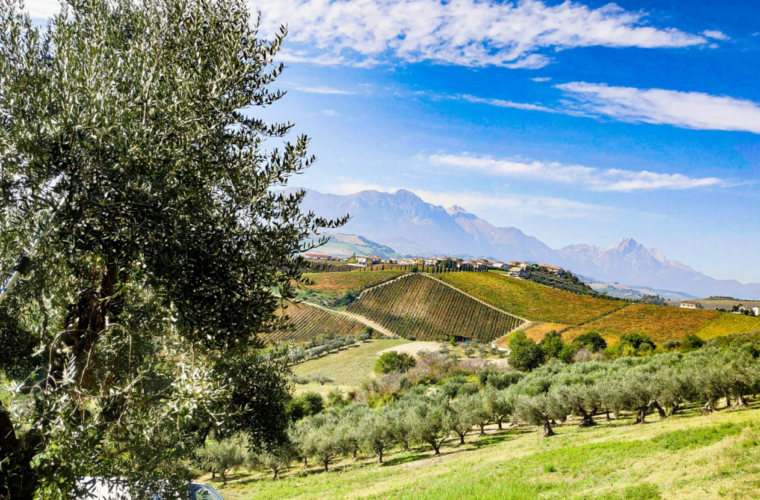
(347, 368)
(537, 331)
(530, 300)
(429, 310)
(680, 458)
(307, 322)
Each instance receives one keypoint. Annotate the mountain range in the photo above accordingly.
(408, 225)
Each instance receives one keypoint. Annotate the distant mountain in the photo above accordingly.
(346, 245)
(615, 289)
(410, 226)
(630, 262)
(403, 217)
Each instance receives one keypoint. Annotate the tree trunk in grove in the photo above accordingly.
(547, 432)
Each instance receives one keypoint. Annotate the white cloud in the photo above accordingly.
(521, 204)
(501, 103)
(594, 179)
(716, 35)
(694, 110)
(464, 32)
(330, 112)
(316, 90)
(541, 79)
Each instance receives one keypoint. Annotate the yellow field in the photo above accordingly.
(660, 323)
(537, 331)
(727, 324)
(530, 300)
(338, 284)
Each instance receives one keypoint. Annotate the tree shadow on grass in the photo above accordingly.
(491, 439)
(405, 459)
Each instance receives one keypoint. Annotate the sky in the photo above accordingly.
(577, 121)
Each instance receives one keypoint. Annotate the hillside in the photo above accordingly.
(307, 322)
(530, 300)
(332, 287)
(684, 457)
(429, 310)
(661, 323)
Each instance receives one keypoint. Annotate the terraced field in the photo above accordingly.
(307, 322)
(336, 285)
(428, 309)
(530, 300)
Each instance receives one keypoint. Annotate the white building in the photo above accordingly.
(756, 310)
(691, 305)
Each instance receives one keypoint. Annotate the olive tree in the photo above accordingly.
(224, 455)
(429, 417)
(131, 147)
(464, 415)
(377, 431)
(539, 410)
(499, 404)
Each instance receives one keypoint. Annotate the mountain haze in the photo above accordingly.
(409, 225)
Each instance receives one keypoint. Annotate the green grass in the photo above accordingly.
(530, 300)
(347, 368)
(683, 457)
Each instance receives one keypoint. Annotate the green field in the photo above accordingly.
(530, 300)
(662, 323)
(307, 322)
(347, 368)
(685, 457)
(429, 310)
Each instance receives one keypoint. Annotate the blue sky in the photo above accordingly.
(578, 122)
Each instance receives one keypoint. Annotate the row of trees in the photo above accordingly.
(436, 402)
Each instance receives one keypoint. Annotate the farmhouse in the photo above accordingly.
(756, 310)
(691, 305)
(518, 272)
(499, 265)
(553, 269)
(368, 259)
(319, 256)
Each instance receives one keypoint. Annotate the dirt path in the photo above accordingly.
(356, 317)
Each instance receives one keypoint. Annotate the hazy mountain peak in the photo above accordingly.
(456, 209)
(625, 245)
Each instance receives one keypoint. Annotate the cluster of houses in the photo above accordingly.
(740, 309)
(516, 269)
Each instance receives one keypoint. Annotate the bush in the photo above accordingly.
(552, 344)
(592, 340)
(393, 361)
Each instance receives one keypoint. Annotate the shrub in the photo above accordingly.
(393, 361)
(525, 354)
(592, 340)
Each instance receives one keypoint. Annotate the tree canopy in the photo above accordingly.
(130, 144)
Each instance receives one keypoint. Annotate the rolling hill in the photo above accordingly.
(530, 300)
(429, 310)
(307, 322)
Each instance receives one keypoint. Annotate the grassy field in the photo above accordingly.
(307, 322)
(685, 457)
(660, 323)
(530, 300)
(429, 310)
(336, 285)
(347, 368)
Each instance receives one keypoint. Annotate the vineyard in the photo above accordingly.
(727, 324)
(429, 310)
(531, 301)
(337, 285)
(537, 331)
(660, 323)
(307, 322)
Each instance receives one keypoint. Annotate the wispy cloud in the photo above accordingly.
(664, 107)
(521, 204)
(716, 35)
(316, 90)
(515, 34)
(501, 103)
(541, 79)
(594, 179)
